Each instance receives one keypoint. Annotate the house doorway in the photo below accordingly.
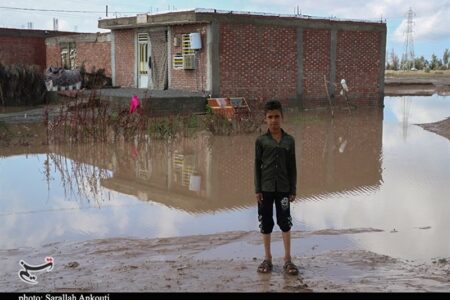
(144, 62)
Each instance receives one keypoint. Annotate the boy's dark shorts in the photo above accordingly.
(265, 212)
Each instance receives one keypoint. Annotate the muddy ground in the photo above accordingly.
(225, 262)
(442, 127)
(416, 84)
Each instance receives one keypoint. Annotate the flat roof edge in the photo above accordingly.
(208, 15)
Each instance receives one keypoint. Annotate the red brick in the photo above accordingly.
(22, 50)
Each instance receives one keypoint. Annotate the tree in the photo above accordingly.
(445, 58)
(420, 63)
(435, 63)
(388, 66)
(395, 61)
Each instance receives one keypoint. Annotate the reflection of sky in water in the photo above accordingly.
(421, 109)
(413, 194)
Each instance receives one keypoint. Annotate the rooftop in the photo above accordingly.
(201, 15)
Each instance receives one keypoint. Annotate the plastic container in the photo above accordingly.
(196, 40)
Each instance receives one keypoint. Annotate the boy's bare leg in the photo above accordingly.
(289, 266)
(266, 266)
(287, 245)
(267, 252)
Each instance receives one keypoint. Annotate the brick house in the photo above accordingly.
(250, 55)
(49, 48)
(91, 49)
(25, 46)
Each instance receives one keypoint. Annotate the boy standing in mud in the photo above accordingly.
(275, 183)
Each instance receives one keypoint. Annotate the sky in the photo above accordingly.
(431, 29)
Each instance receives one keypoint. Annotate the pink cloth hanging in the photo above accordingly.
(134, 104)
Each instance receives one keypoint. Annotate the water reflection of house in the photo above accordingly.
(180, 174)
(340, 155)
(207, 173)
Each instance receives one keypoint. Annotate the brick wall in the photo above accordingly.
(93, 54)
(190, 80)
(125, 57)
(22, 50)
(25, 46)
(258, 62)
(53, 56)
(358, 62)
(316, 64)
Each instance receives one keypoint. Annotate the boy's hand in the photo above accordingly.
(259, 198)
(291, 198)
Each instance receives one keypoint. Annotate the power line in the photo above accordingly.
(408, 55)
(67, 11)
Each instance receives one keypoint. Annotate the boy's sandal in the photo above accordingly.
(290, 268)
(265, 267)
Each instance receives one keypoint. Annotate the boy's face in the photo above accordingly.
(273, 120)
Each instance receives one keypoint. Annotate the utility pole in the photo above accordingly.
(408, 56)
(55, 24)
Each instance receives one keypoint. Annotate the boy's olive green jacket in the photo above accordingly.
(275, 165)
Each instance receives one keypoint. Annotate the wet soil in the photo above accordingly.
(416, 86)
(182, 265)
(442, 127)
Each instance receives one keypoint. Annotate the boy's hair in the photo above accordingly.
(273, 105)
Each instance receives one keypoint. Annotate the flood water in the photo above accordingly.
(368, 169)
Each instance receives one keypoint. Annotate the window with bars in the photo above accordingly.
(68, 55)
(186, 44)
(185, 59)
(178, 61)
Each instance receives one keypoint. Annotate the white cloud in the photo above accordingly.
(430, 20)
(419, 110)
(356, 8)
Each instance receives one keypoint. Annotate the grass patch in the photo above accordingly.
(3, 126)
(93, 120)
(5, 134)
